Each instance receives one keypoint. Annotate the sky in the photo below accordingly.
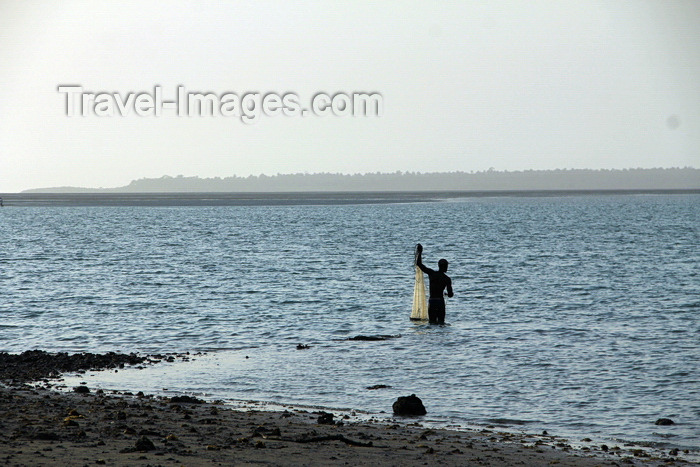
(464, 86)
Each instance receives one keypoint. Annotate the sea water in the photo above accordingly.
(575, 314)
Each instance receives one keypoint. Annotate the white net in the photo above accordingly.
(420, 303)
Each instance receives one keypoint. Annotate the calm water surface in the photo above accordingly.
(578, 315)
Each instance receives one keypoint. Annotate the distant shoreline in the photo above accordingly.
(169, 199)
(674, 178)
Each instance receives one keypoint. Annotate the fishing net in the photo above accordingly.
(420, 303)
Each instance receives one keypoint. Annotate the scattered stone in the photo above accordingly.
(325, 418)
(185, 400)
(34, 365)
(604, 447)
(144, 444)
(81, 389)
(673, 452)
(378, 386)
(409, 406)
(664, 422)
(265, 432)
(302, 346)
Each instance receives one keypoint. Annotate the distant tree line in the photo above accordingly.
(561, 179)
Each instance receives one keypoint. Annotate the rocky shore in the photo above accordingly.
(41, 426)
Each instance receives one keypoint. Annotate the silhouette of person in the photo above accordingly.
(439, 281)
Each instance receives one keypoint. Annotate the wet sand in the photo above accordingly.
(41, 426)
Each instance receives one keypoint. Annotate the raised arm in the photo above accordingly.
(419, 259)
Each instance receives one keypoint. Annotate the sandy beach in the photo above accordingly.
(43, 426)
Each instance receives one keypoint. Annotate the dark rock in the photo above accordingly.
(302, 346)
(604, 447)
(379, 386)
(37, 364)
(409, 406)
(325, 418)
(673, 452)
(81, 389)
(381, 337)
(664, 422)
(144, 444)
(185, 400)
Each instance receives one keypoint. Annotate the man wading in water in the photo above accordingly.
(439, 281)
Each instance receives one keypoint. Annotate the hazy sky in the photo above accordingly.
(465, 86)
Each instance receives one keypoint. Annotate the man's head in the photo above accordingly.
(442, 265)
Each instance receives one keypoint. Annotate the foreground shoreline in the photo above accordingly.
(43, 426)
(46, 427)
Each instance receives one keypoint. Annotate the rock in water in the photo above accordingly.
(381, 337)
(664, 421)
(409, 405)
